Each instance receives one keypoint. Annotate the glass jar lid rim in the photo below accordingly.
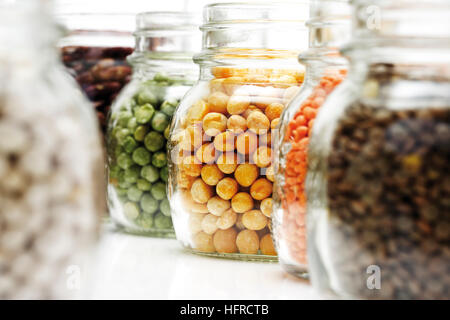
(244, 13)
(167, 20)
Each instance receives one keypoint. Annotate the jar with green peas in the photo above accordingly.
(138, 124)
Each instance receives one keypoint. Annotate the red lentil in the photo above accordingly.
(298, 133)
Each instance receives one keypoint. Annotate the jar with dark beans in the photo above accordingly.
(388, 192)
(101, 73)
(95, 54)
(378, 182)
(138, 126)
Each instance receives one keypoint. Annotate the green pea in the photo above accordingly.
(150, 173)
(146, 96)
(144, 113)
(121, 135)
(159, 159)
(132, 174)
(140, 133)
(167, 132)
(154, 141)
(163, 84)
(143, 185)
(160, 77)
(117, 151)
(124, 185)
(134, 194)
(141, 156)
(114, 171)
(115, 130)
(149, 204)
(122, 182)
(164, 174)
(160, 121)
(159, 191)
(128, 105)
(132, 124)
(129, 144)
(121, 192)
(145, 221)
(162, 222)
(124, 161)
(168, 107)
(131, 210)
(123, 118)
(164, 207)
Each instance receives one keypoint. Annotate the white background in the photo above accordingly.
(135, 6)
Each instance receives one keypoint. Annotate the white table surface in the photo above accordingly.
(134, 267)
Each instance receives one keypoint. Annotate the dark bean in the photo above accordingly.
(100, 72)
(389, 197)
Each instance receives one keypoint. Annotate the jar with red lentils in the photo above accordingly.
(378, 181)
(329, 26)
(220, 163)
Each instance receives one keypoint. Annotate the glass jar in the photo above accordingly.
(220, 174)
(379, 171)
(329, 27)
(138, 127)
(94, 52)
(51, 177)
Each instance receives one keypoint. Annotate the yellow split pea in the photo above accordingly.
(214, 123)
(226, 153)
(227, 162)
(227, 188)
(211, 174)
(218, 101)
(201, 192)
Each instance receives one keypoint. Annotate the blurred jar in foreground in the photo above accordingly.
(51, 181)
(329, 27)
(378, 182)
(138, 127)
(220, 173)
(94, 52)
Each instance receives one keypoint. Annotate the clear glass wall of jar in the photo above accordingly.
(378, 177)
(94, 51)
(329, 27)
(220, 174)
(138, 127)
(51, 169)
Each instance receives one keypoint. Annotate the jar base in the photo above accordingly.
(296, 271)
(165, 234)
(235, 256)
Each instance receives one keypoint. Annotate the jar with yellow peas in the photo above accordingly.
(220, 162)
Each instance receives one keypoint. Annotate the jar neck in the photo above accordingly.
(330, 24)
(175, 66)
(253, 35)
(401, 20)
(324, 34)
(405, 62)
(96, 29)
(411, 36)
(29, 36)
(318, 62)
(165, 43)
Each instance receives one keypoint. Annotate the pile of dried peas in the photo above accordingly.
(225, 155)
(298, 133)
